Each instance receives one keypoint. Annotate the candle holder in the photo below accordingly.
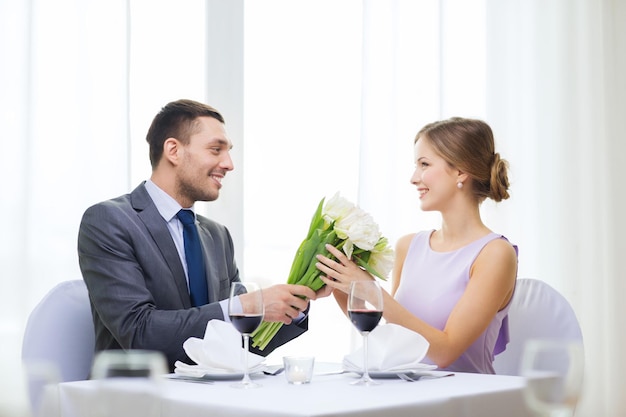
(298, 370)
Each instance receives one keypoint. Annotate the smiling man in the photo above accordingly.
(147, 287)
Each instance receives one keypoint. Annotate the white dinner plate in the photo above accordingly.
(195, 371)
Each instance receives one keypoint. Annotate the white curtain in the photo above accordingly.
(556, 96)
(77, 93)
(552, 88)
(64, 118)
(63, 112)
(334, 93)
(548, 77)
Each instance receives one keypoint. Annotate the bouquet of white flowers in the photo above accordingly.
(346, 227)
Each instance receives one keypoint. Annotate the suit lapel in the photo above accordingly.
(156, 225)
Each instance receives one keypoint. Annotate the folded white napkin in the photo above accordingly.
(218, 353)
(390, 348)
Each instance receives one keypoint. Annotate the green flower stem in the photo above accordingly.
(312, 272)
(262, 336)
(307, 245)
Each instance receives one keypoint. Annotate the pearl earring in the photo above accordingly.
(459, 185)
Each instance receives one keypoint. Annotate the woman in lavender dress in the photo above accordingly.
(452, 285)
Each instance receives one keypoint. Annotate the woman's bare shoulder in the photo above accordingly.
(404, 241)
(500, 248)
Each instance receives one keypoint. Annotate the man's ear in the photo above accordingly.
(171, 150)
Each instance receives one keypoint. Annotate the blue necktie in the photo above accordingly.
(198, 289)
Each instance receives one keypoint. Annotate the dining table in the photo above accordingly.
(329, 393)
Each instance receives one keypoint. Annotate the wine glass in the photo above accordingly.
(554, 374)
(246, 320)
(128, 379)
(365, 308)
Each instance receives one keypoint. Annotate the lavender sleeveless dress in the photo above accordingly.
(432, 283)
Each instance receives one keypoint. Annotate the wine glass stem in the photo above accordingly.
(366, 374)
(246, 341)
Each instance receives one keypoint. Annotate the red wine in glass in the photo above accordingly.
(246, 323)
(365, 320)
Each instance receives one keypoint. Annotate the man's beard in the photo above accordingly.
(189, 190)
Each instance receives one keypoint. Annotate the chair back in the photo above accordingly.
(59, 338)
(537, 311)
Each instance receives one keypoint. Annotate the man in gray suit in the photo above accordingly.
(132, 255)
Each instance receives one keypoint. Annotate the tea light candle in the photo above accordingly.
(297, 375)
(298, 370)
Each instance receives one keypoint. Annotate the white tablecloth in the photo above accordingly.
(462, 395)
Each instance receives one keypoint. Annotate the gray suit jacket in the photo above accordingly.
(136, 281)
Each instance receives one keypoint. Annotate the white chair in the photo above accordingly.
(537, 311)
(59, 340)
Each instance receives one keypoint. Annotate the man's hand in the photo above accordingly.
(284, 302)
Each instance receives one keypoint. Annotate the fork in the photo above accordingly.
(190, 379)
(415, 377)
(408, 378)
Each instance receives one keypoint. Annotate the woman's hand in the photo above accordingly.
(341, 272)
